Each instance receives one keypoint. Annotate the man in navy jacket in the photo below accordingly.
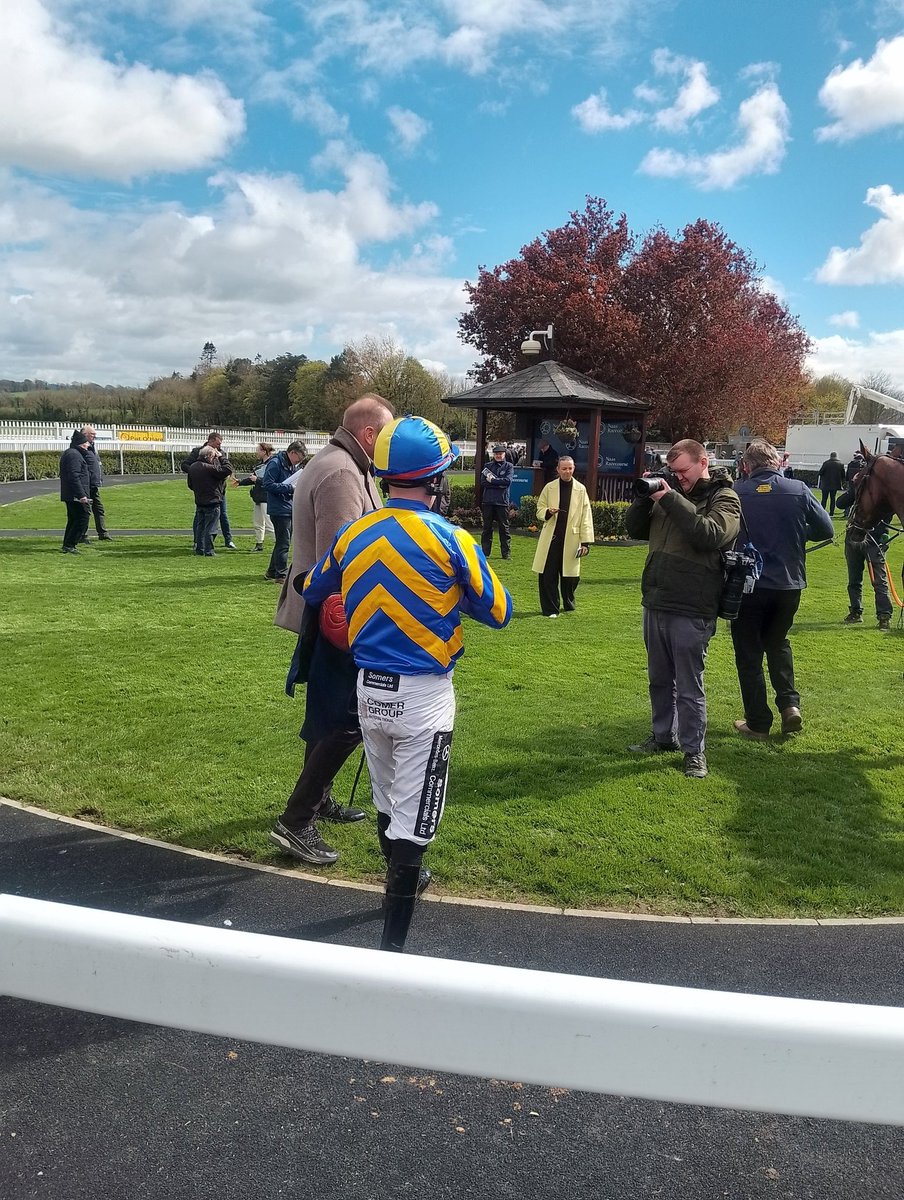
(279, 505)
(779, 516)
(495, 479)
(75, 491)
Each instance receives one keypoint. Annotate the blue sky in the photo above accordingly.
(285, 177)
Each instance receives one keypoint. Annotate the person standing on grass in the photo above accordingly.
(336, 487)
(96, 472)
(258, 496)
(207, 477)
(216, 442)
(780, 515)
(279, 488)
(405, 576)
(831, 481)
(75, 491)
(687, 526)
(565, 538)
(495, 480)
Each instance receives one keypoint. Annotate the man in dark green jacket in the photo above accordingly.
(687, 522)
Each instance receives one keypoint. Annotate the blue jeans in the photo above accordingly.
(206, 523)
(224, 522)
(279, 559)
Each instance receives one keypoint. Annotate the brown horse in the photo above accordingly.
(879, 493)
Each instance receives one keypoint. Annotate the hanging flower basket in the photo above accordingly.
(567, 432)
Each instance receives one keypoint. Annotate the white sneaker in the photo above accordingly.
(552, 616)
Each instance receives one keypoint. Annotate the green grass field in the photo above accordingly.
(143, 688)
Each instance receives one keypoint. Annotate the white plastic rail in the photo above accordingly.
(726, 1049)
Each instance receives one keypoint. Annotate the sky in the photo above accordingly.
(284, 177)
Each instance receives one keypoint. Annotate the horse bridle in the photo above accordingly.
(853, 525)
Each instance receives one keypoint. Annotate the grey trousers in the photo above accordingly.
(676, 653)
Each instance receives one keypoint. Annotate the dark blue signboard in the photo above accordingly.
(616, 451)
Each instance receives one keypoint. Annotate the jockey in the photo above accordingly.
(406, 575)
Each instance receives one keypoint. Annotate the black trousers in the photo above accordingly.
(551, 580)
(97, 508)
(761, 628)
(77, 518)
(496, 514)
(322, 761)
(828, 499)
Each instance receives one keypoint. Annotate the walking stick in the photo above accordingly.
(357, 777)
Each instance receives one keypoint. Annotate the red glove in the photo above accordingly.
(333, 624)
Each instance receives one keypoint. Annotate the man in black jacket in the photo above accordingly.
(780, 516)
(206, 477)
(831, 480)
(75, 491)
(96, 472)
(216, 442)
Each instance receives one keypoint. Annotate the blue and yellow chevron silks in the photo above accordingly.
(484, 582)
(405, 574)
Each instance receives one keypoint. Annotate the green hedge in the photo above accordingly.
(608, 518)
(45, 464)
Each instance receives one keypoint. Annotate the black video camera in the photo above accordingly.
(649, 485)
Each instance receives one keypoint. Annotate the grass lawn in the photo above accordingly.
(143, 688)
(165, 505)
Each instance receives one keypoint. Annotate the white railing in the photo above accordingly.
(731, 1050)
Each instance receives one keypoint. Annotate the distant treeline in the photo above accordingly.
(287, 392)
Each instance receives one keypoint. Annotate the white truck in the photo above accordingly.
(809, 445)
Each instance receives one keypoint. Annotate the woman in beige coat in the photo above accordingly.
(563, 508)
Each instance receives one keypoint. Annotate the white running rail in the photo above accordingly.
(803, 1057)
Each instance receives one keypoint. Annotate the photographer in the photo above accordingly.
(780, 515)
(688, 517)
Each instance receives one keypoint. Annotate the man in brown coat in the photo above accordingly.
(335, 487)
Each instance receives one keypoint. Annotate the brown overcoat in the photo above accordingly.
(335, 487)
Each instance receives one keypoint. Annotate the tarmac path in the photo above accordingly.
(107, 1109)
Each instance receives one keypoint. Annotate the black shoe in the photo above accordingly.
(258, 548)
(695, 766)
(651, 746)
(104, 537)
(305, 844)
(85, 541)
(853, 618)
(342, 815)
(69, 550)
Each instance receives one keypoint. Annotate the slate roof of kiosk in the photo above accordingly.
(546, 385)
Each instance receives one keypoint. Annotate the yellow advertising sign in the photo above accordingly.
(141, 435)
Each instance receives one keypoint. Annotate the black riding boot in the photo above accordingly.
(398, 905)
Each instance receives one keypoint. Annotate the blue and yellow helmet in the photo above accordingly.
(411, 450)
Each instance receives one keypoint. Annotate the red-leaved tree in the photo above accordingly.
(680, 321)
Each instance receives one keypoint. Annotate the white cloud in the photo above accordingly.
(64, 108)
(865, 96)
(763, 128)
(409, 129)
(880, 256)
(856, 358)
(772, 286)
(388, 35)
(594, 115)
(845, 320)
(269, 265)
(695, 95)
